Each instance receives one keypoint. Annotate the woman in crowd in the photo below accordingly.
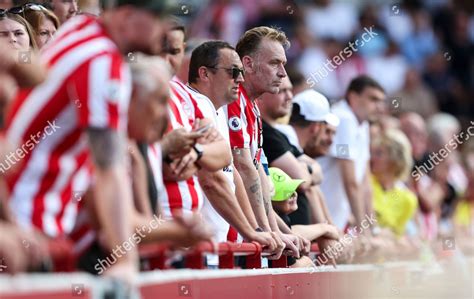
(394, 204)
(16, 31)
(464, 213)
(43, 21)
(18, 67)
(18, 62)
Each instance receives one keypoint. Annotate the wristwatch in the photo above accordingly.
(199, 151)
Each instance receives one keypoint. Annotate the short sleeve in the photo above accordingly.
(345, 143)
(100, 91)
(274, 143)
(236, 121)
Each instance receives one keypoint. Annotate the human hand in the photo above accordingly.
(178, 143)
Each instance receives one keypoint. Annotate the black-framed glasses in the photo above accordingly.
(234, 71)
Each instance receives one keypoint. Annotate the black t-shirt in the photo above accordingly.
(275, 145)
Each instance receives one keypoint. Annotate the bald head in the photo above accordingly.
(148, 106)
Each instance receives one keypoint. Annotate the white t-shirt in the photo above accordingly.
(352, 141)
(219, 224)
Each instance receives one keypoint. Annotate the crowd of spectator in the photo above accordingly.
(226, 129)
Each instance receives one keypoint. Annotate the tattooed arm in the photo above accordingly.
(112, 193)
(251, 179)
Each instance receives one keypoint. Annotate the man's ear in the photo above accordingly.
(353, 96)
(203, 73)
(248, 64)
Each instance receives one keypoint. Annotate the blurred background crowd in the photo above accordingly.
(422, 52)
(422, 55)
(419, 60)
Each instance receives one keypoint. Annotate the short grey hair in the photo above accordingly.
(148, 73)
(442, 127)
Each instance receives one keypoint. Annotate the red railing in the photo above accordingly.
(154, 256)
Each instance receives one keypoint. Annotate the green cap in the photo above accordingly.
(284, 185)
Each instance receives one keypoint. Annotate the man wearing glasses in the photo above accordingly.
(215, 73)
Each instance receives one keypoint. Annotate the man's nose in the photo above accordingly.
(281, 71)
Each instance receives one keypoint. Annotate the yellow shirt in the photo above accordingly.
(462, 215)
(394, 207)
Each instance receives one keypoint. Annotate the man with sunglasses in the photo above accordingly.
(86, 99)
(215, 73)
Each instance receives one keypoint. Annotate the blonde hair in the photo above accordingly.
(37, 17)
(249, 43)
(399, 149)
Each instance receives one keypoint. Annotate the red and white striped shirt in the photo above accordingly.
(245, 125)
(245, 131)
(185, 196)
(88, 86)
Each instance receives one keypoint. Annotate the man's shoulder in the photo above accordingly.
(199, 97)
(84, 34)
(268, 129)
(270, 133)
(342, 110)
(203, 102)
(242, 100)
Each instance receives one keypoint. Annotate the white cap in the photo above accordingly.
(332, 119)
(315, 107)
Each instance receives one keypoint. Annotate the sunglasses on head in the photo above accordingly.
(234, 71)
(17, 10)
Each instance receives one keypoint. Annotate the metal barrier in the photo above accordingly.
(154, 256)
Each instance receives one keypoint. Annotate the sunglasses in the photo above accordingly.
(17, 10)
(234, 72)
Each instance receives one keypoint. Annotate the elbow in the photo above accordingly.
(218, 160)
(227, 158)
(209, 180)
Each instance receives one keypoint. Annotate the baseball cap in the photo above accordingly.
(333, 120)
(315, 107)
(159, 7)
(284, 185)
